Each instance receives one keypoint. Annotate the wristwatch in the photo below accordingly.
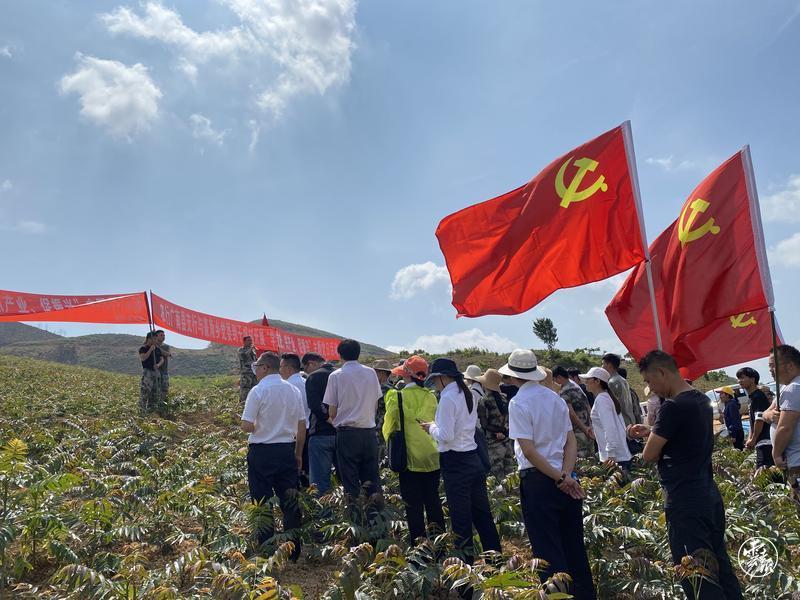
(563, 477)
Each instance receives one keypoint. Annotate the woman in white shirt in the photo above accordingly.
(463, 472)
(609, 428)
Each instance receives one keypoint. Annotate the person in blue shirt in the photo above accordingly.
(733, 418)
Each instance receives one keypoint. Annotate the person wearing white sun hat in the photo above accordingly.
(550, 495)
(607, 422)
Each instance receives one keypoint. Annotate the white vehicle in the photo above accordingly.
(744, 399)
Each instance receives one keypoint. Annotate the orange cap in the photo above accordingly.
(414, 366)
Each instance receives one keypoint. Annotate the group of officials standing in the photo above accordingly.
(458, 427)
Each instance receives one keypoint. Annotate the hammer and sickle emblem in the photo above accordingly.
(739, 322)
(569, 194)
(685, 232)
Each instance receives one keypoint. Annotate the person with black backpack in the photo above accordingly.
(412, 451)
(463, 469)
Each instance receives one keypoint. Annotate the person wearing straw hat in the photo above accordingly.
(419, 483)
(463, 472)
(732, 415)
(493, 415)
(383, 370)
(550, 495)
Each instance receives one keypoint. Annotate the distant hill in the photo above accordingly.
(117, 352)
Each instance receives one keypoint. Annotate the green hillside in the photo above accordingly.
(118, 352)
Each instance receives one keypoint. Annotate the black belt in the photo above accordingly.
(348, 428)
(271, 444)
(462, 453)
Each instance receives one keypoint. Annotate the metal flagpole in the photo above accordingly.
(631, 156)
(761, 256)
(149, 312)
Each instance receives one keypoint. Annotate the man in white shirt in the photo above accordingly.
(274, 417)
(290, 371)
(550, 495)
(352, 397)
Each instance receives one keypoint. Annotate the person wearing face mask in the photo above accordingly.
(463, 472)
(419, 482)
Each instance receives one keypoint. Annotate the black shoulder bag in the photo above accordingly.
(398, 453)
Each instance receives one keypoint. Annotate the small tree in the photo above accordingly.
(544, 329)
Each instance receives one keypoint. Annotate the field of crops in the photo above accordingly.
(97, 503)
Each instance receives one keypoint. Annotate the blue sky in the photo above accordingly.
(294, 158)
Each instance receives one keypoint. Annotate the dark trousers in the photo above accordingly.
(700, 531)
(554, 523)
(468, 502)
(764, 456)
(357, 458)
(272, 470)
(420, 493)
(737, 437)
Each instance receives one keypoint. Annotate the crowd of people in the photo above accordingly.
(305, 417)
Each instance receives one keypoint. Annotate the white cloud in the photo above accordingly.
(611, 283)
(5, 51)
(290, 48)
(187, 68)
(668, 163)
(6, 185)
(123, 100)
(32, 227)
(783, 205)
(472, 338)
(787, 252)
(412, 279)
(202, 130)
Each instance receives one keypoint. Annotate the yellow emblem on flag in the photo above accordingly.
(570, 193)
(739, 322)
(685, 232)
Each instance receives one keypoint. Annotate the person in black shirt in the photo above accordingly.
(681, 442)
(759, 430)
(321, 434)
(150, 388)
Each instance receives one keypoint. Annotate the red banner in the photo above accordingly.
(708, 267)
(108, 308)
(574, 223)
(229, 332)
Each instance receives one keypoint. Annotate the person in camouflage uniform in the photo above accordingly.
(383, 370)
(247, 379)
(166, 354)
(579, 411)
(150, 388)
(493, 415)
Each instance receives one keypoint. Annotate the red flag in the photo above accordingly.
(574, 223)
(726, 341)
(708, 266)
(106, 308)
(264, 321)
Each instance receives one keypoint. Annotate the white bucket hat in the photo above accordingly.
(522, 364)
(472, 372)
(596, 373)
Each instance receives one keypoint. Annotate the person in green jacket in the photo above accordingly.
(419, 483)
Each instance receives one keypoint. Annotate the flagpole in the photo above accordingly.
(761, 256)
(149, 312)
(631, 156)
(775, 357)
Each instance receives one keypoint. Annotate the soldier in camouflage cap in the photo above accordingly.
(150, 388)
(383, 370)
(579, 411)
(493, 415)
(247, 379)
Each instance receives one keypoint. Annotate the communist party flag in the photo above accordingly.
(726, 341)
(574, 223)
(709, 270)
(105, 308)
